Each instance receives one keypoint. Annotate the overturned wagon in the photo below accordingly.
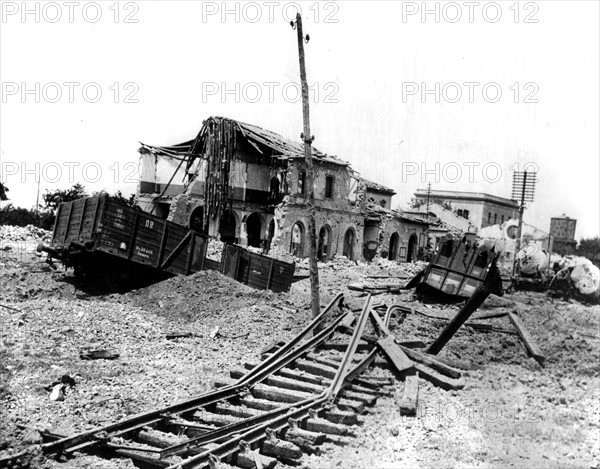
(459, 268)
(101, 237)
(124, 246)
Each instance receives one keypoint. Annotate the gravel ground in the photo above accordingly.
(511, 413)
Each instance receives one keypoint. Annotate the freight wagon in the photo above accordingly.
(458, 268)
(124, 247)
(118, 244)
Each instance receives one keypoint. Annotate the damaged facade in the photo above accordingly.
(242, 184)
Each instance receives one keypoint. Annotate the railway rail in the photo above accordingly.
(275, 410)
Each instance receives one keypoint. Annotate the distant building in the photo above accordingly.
(562, 230)
(479, 208)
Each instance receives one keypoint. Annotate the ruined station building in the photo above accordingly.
(242, 184)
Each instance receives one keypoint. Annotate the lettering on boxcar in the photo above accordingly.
(144, 252)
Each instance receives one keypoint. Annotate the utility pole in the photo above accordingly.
(523, 190)
(310, 187)
(428, 199)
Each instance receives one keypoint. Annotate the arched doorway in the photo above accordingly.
(393, 252)
(297, 244)
(411, 254)
(349, 238)
(197, 220)
(253, 230)
(227, 227)
(270, 236)
(324, 243)
(274, 191)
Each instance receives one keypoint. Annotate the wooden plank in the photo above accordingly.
(389, 347)
(133, 234)
(437, 379)
(270, 278)
(175, 252)
(410, 396)
(82, 217)
(162, 246)
(190, 253)
(432, 362)
(531, 345)
(68, 222)
(397, 357)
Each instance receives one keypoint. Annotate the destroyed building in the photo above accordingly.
(479, 208)
(243, 184)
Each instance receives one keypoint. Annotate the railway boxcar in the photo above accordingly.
(96, 234)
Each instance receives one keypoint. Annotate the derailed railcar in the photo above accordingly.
(458, 268)
(256, 270)
(97, 234)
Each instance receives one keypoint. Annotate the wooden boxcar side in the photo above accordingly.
(458, 268)
(256, 270)
(76, 222)
(103, 225)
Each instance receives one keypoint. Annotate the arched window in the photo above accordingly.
(197, 220)
(297, 243)
(323, 247)
(393, 246)
(270, 236)
(466, 213)
(253, 230)
(228, 227)
(411, 255)
(459, 212)
(274, 191)
(349, 238)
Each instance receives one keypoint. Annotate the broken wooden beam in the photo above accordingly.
(530, 344)
(437, 379)
(432, 362)
(395, 355)
(410, 396)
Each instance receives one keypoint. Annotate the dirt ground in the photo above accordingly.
(511, 412)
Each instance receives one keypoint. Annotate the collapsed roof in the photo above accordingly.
(264, 141)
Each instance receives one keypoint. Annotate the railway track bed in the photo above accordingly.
(312, 390)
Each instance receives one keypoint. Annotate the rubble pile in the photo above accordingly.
(214, 249)
(176, 337)
(15, 234)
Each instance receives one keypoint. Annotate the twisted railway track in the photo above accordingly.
(276, 410)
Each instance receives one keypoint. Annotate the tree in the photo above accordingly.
(589, 248)
(52, 199)
(3, 191)
(119, 197)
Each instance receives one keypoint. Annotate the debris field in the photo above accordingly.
(165, 343)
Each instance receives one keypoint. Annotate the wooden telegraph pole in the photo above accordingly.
(523, 190)
(310, 188)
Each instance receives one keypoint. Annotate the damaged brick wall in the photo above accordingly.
(336, 215)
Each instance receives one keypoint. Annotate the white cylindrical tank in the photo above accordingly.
(586, 280)
(532, 259)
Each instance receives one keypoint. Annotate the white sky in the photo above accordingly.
(363, 61)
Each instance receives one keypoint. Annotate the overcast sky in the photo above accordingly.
(505, 84)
